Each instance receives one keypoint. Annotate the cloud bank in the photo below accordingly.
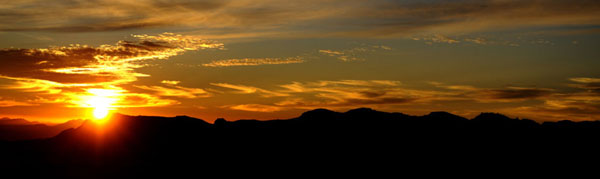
(341, 18)
(67, 74)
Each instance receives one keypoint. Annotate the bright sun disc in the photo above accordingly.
(102, 101)
(100, 113)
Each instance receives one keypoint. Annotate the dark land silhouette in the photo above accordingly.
(359, 140)
(21, 129)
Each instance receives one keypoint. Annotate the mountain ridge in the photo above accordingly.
(323, 116)
(141, 146)
(21, 129)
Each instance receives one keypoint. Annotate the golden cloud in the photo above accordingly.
(170, 82)
(178, 91)
(249, 90)
(12, 103)
(74, 71)
(255, 107)
(253, 62)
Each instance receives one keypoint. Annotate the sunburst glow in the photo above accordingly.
(102, 101)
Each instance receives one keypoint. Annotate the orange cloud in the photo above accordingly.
(255, 107)
(170, 82)
(68, 74)
(508, 94)
(178, 91)
(253, 62)
(12, 103)
(250, 90)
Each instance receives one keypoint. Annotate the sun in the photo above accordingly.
(102, 101)
(100, 112)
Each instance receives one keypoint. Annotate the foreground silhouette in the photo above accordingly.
(357, 140)
(21, 129)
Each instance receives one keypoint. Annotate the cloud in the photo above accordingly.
(355, 53)
(464, 16)
(477, 40)
(130, 100)
(537, 103)
(352, 93)
(332, 18)
(436, 38)
(12, 103)
(108, 15)
(250, 90)
(339, 55)
(574, 105)
(331, 52)
(591, 84)
(515, 93)
(71, 72)
(384, 93)
(255, 107)
(178, 91)
(104, 65)
(253, 62)
(586, 80)
(508, 94)
(170, 82)
(563, 109)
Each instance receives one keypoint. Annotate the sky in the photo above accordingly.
(274, 59)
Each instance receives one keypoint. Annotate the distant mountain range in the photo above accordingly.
(147, 146)
(21, 129)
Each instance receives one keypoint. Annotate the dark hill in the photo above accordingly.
(357, 140)
(21, 129)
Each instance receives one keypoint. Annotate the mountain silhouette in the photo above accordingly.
(21, 129)
(356, 140)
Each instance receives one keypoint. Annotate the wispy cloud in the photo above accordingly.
(249, 90)
(508, 94)
(12, 103)
(353, 54)
(233, 19)
(573, 105)
(170, 82)
(477, 40)
(254, 107)
(436, 38)
(538, 103)
(586, 80)
(253, 62)
(353, 93)
(177, 91)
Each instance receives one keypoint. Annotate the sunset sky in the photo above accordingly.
(268, 59)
